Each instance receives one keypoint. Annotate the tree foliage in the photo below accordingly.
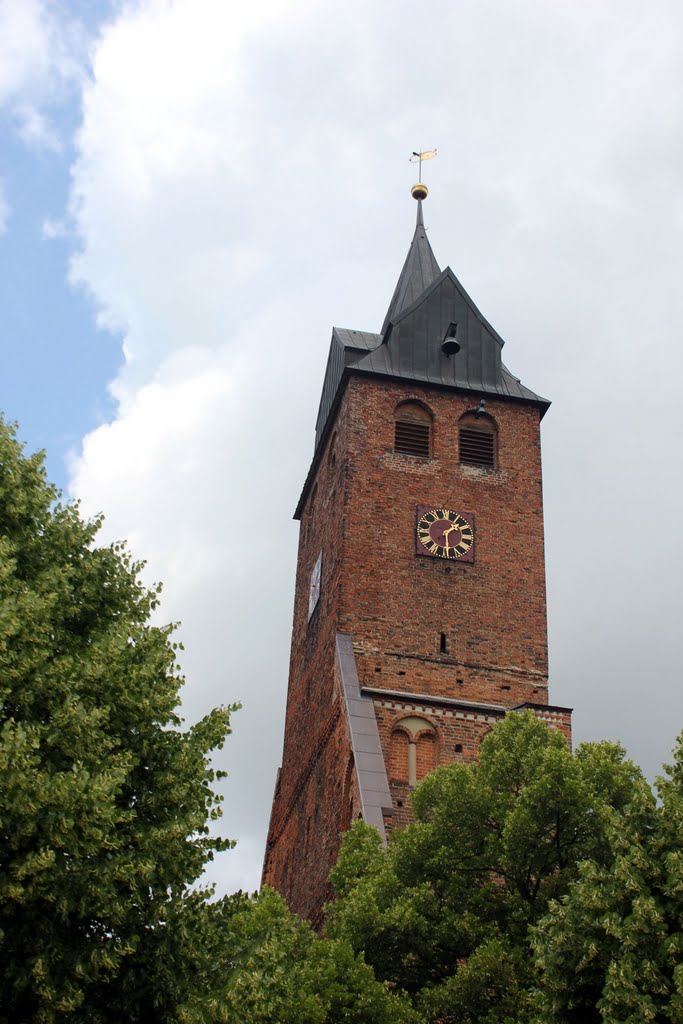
(535, 886)
(444, 911)
(268, 965)
(106, 803)
(612, 949)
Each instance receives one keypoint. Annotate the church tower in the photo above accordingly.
(420, 610)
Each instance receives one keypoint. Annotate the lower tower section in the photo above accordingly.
(374, 748)
(342, 777)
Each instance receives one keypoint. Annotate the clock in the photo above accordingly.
(443, 533)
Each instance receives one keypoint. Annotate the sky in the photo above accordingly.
(193, 192)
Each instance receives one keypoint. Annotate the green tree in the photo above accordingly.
(444, 911)
(267, 965)
(105, 801)
(105, 807)
(612, 949)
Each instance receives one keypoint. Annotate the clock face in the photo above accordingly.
(443, 533)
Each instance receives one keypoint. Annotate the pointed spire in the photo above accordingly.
(419, 270)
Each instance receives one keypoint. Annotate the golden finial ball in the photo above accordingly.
(419, 191)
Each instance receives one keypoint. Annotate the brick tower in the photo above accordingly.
(419, 613)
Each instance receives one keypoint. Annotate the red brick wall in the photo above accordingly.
(360, 512)
(459, 732)
(313, 783)
(304, 838)
(395, 604)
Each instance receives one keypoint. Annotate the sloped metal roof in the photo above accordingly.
(426, 303)
(419, 270)
(410, 349)
(368, 758)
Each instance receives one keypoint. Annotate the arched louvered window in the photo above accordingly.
(478, 441)
(413, 430)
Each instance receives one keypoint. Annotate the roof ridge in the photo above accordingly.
(448, 272)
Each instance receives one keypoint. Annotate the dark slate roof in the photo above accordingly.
(426, 301)
(419, 270)
(410, 349)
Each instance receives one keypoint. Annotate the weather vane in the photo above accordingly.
(420, 190)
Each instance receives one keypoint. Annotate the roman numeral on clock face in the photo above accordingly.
(444, 533)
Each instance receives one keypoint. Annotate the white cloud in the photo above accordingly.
(175, 473)
(41, 53)
(51, 229)
(238, 189)
(35, 129)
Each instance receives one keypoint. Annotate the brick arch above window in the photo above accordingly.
(478, 440)
(413, 429)
(414, 408)
(414, 725)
